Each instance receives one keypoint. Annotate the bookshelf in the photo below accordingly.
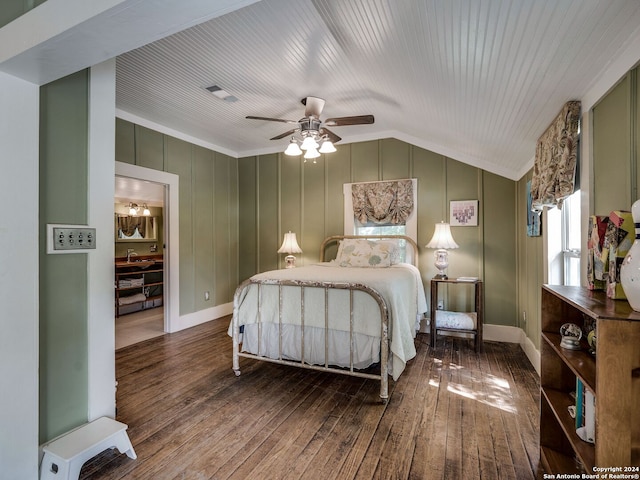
(612, 375)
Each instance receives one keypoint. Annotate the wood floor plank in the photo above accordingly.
(454, 413)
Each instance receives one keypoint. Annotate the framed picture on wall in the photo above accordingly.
(463, 213)
(533, 218)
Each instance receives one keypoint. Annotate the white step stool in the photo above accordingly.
(64, 456)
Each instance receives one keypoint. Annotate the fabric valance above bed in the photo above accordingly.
(383, 203)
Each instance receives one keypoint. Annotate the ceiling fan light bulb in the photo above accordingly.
(327, 147)
(309, 142)
(293, 149)
(311, 153)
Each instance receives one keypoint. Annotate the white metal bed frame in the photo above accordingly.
(383, 377)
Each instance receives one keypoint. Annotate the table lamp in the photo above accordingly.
(442, 240)
(290, 246)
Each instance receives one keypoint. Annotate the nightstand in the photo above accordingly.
(466, 325)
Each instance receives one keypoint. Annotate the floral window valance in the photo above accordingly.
(382, 203)
(133, 227)
(554, 169)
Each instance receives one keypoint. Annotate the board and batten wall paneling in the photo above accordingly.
(268, 215)
(247, 218)
(208, 213)
(530, 269)
(338, 172)
(364, 161)
(178, 161)
(612, 151)
(464, 183)
(430, 170)
(149, 148)
(203, 236)
(63, 282)
(225, 228)
(499, 202)
(291, 170)
(318, 196)
(126, 141)
(395, 159)
(314, 210)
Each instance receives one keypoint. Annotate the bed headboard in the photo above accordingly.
(412, 246)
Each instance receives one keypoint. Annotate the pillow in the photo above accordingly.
(355, 252)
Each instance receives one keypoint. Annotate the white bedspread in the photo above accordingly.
(400, 285)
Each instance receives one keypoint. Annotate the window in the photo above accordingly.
(563, 242)
(571, 239)
(353, 227)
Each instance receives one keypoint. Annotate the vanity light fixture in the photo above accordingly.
(134, 208)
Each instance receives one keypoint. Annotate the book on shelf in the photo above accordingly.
(585, 413)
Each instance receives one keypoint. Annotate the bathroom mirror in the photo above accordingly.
(129, 228)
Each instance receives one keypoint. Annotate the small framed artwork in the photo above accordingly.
(463, 213)
(533, 218)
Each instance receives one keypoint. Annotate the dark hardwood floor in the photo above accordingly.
(453, 414)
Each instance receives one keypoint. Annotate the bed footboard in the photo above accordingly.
(302, 362)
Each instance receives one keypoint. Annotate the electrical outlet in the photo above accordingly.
(207, 295)
(440, 305)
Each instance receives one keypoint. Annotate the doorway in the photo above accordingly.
(159, 192)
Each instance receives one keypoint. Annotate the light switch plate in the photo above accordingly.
(70, 238)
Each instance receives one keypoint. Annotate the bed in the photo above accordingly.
(348, 315)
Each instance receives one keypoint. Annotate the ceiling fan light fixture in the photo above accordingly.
(308, 143)
(327, 147)
(311, 153)
(293, 149)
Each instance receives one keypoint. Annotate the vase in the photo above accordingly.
(630, 268)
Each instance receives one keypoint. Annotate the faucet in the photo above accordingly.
(130, 253)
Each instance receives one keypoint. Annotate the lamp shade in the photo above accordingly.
(327, 147)
(290, 244)
(442, 237)
(293, 149)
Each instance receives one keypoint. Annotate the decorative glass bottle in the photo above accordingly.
(630, 268)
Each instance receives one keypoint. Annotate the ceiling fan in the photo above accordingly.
(313, 130)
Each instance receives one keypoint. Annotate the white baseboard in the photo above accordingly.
(499, 333)
(192, 319)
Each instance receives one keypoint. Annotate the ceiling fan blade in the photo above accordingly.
(251, 117)
(285, 134)
(332, 136)
(313, 106)
(344, 121)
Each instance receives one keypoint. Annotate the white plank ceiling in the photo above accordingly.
(476, 80)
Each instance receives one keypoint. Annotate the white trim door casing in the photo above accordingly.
(171, 300)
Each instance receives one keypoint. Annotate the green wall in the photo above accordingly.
(278, 193)
(63, 278)
(530, 268)
(12, 9)
(616, 139)
(208, 210)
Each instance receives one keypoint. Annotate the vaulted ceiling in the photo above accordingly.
(476, 80)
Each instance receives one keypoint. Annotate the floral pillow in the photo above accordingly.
(354, 252)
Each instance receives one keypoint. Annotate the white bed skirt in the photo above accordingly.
(366, 351)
